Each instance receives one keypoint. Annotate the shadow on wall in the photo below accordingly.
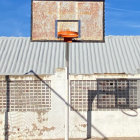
(90, 125)
(118, 97)
(102, 98)
(91, 96)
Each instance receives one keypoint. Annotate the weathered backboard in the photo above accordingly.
(84, 17)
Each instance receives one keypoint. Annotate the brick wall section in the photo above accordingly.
(26, 95)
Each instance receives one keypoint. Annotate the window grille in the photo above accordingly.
(104, 94)
(29, 95)
(121, 94)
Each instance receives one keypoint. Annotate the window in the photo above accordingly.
(117, 94)
(103, 94)
(26, 95)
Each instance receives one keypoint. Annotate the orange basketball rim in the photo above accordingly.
(68, 35)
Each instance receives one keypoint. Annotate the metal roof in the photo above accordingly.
(119, 54)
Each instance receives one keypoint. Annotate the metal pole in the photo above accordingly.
(7, 107)
(67, 94)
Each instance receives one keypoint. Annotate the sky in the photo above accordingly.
(122, 17)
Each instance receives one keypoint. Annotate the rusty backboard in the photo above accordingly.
(84, 17)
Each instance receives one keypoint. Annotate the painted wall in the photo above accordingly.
(51, 124)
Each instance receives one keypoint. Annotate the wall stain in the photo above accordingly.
(34, 126)
(31, 133)
(42, 130)
(48, 129)
(79, 129)
(41, 117)
(83, 125)
(41, 133)
(12, 133)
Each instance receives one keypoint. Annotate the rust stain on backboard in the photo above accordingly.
(46, 13)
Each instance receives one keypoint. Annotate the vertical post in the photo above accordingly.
(67, 94)
(7, 107)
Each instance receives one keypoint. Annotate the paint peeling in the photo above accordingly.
(79, 129)
(48, 129)
(34, 127)
(83, 125)
(41, 117)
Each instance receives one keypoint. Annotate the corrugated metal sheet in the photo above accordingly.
(119, 54)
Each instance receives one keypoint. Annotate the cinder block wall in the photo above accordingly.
(36, 109)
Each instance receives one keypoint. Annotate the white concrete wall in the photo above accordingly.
(123, 123)
(48, 125)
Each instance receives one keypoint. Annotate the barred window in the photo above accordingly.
(117, 94)
(83, 95)
(111, 94)
(26, 95)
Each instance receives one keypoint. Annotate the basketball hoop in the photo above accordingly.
(68, 35)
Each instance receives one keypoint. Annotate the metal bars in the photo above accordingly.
(30, 95)
(104, 94)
